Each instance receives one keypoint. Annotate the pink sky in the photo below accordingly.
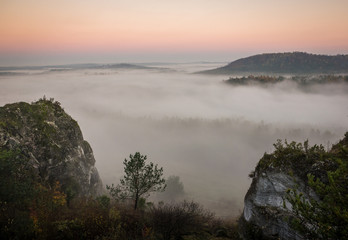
(120, 27)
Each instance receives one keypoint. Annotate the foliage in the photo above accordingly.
(16, 177)
(326, 217)
(104, 201)
(301, 80)
(174, 189)
(16, 192)
(292, 157)
(290, 62)
(30, 209)
(178, 220)
(262, 79)
(47, 206)
(71, 188)
(133, 224)
(139, 179)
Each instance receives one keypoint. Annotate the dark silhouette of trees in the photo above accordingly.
(174, 190)
(181, 219)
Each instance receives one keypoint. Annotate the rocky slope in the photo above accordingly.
(267, 212)
(52, 142)
(264, 215)
(290, 63)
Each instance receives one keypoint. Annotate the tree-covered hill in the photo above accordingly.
(291, 63)
(301, 80)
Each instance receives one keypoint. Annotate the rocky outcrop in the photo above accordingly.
(267, 212)
(53, 144)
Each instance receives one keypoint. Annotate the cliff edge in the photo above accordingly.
(52, 142)
(305, 176)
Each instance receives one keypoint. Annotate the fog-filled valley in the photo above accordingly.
(197, 127)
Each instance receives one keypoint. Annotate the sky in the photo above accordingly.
(53, 32)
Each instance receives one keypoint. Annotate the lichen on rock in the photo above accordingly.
(267, 212)
(52, 142)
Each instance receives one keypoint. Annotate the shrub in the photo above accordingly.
(178, 220)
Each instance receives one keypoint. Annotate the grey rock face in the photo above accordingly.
(290, 169)
(53, 143)
(266, 211)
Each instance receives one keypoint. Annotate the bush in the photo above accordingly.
(327, 216)
(178, 220)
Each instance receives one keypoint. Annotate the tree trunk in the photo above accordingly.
(136, 201)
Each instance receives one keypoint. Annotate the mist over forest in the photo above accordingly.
(197, 127)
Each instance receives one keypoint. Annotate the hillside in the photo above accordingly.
(288, 63)
(45, 165)
(85, 66)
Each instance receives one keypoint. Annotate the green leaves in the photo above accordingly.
(291, 157)
(327, 216)
(16, 176)
(139, 180)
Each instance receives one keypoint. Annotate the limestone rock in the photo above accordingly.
(52, 142)
(267, 214)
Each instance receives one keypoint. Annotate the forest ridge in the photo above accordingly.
(291, 62)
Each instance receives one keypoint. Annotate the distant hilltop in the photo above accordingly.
(83, 66)
(291, 63)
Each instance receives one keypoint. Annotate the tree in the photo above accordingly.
(174, 189)
(17, 191)
(326, 218)
(139, 180)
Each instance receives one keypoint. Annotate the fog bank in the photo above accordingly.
(209, 133)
